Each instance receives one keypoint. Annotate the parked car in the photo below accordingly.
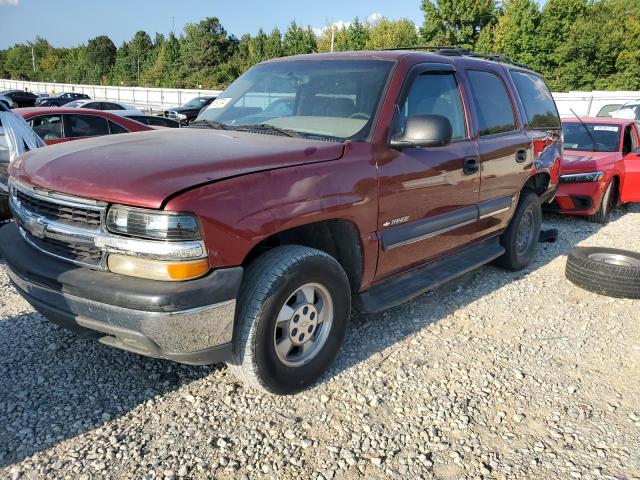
(606, 110)
(154, 120)
(15, 138)
(398, 171)
(630, 111)
(40, 97)
(21, 97)
(116, 108)
(600, 168)
(190, 110)
(7, 102)
(57, 125)
(62, 99)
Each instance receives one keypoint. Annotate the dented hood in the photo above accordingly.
(143, 169)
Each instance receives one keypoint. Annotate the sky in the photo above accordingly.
(66, 23)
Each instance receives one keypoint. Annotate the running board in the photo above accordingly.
(407, 285)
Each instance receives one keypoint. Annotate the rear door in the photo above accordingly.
(630, 185)
(49, 128)
(504, 147)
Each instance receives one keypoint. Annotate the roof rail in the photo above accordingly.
(455, 51)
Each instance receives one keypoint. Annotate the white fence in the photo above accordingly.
(153, 100)
(157, 99)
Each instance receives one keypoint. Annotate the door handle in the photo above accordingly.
(521, 156)
(471, 165)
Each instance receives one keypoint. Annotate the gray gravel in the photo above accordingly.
(497, 375)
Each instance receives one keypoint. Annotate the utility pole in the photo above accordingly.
(333, 36)
(33, 58)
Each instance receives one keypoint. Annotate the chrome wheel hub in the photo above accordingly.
(303, 324)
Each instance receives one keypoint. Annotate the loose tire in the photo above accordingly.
(608, 203)
(293, 311)
(520, 240)
(607, 271)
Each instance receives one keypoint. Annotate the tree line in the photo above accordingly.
(575, 44)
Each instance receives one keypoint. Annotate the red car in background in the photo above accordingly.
(57, 125)
(600, 167)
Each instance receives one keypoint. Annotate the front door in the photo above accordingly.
(428, 197)
(630, 185)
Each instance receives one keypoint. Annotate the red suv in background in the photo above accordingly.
(60, 124)
(246, 241)
(600, 167)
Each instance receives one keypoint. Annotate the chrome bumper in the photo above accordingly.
(188, 336)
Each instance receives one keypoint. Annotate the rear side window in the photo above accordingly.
(86, 126)
(493, 106)
(435, 93)
(537, 100)
(115, 128)
(48, 127)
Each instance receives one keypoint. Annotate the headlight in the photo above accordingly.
(161, 245)
(154, 225)
(182, 116)
(582, 177)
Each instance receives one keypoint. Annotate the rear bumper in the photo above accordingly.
(188, 322)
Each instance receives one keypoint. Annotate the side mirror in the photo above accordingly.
(424, 131)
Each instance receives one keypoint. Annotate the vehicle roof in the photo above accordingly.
(30, 111)
(606, 120)
(397, 55)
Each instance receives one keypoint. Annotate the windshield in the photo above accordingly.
(196, 103)
(337, 99)
(600, 137)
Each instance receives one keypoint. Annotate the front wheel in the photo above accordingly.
(607, 204)
(520, 240)
(292, 318)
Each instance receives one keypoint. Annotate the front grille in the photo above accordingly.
(170, 114)
(86, 254)
(70, 215)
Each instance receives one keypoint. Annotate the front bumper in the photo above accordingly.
(579, 198)
(189, 322)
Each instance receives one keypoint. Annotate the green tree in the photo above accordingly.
(165, 71)
(357, 35)
(298, 40)
(456, 22)
(100, 57)
(515, 34)
(390, 34)
(273, 44)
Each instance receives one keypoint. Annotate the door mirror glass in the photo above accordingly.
(424, 131)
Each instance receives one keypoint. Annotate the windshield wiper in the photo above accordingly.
(265, 127)
(586, 129)
(210, 124)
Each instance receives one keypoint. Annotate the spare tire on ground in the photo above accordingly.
(608, 271)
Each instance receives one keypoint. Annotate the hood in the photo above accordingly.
(185, 110)
(143, 169)
(577, 161)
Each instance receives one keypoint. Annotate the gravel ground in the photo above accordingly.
(497, 375)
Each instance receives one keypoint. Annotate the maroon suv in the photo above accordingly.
(311, 184)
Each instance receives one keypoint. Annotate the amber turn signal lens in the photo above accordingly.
(157, 270)
(187, 270)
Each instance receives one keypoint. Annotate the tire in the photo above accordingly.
(608, 203)
(607, 271)
(272, 288)
(519, 251)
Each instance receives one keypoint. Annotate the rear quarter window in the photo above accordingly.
(537, 100)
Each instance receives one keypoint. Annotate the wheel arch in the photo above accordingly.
(337, 237)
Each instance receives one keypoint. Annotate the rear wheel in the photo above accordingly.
(608, 203)
(520, 240)
(292, 317)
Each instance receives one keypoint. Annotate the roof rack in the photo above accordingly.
(455, 51)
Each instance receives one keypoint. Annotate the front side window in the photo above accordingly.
(537, 100)
(492, 104)
(435, 93)
(337, 99)
(48, 127)
(591, 137)
(86, 126)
